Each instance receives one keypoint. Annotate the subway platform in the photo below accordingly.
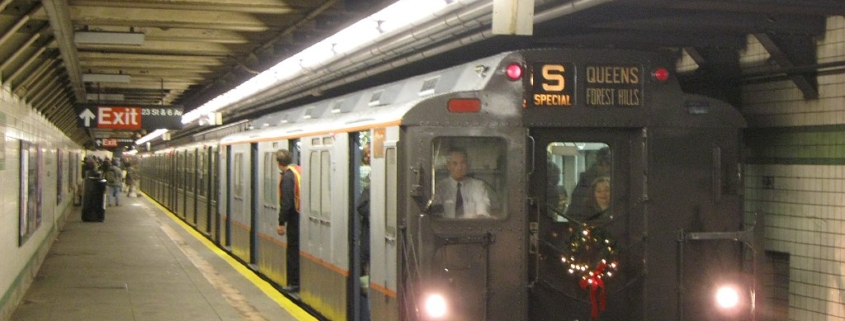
(143, 263)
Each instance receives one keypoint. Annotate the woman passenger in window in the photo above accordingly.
(597, 205)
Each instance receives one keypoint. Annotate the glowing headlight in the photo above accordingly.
(435, 306)
(727, 297)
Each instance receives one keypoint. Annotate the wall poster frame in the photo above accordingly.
(30, 190)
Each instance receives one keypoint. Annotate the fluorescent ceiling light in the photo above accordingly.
(108, 97)
(402, 13)
(109, 38)
(105, 78)
(155, 134)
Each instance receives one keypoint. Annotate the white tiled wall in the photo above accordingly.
(17, 267)
(805, 211)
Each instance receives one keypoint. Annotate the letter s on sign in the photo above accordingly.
(553, 78)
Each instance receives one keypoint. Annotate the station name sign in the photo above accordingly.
(130, 117)
(599, 85)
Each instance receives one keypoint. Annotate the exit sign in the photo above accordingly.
(130, 117)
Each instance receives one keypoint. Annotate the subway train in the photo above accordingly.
(594, 189)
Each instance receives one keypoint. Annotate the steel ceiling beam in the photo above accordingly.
(59, 17)
(789, 51)
(26, 64)
(23, 87)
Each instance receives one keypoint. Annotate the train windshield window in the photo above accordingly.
(578, 181)
(469, 174)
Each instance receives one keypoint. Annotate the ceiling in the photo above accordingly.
(192, 51)
(195, 50)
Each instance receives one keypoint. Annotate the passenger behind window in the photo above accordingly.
(554, 198)
(459, 195)
(598, 201)
(582, 193)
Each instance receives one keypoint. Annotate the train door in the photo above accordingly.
(170, 180)
(583, 211)
(359, 225)
(240, 215)
(323, 223)
(191, 186)
(203, 171)
(178, 203)
(470, 243)
(271, 253)
(224, 194)
(215, 161)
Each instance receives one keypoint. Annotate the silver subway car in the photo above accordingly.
(548, 184)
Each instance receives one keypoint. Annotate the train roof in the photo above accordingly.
(378, 106)
(391, 104)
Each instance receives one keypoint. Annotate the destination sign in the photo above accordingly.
(553, 85)
(130, 117)
(600, 85)
(613, 85)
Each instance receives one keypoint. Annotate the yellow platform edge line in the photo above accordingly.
(271, 292)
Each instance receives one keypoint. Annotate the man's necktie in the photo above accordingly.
(459, 203)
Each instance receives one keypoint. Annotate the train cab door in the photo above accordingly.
(583, 209)
(469, 243)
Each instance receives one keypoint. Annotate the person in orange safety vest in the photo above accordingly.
(289, 192)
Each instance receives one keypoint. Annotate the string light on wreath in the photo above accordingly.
(592, 258)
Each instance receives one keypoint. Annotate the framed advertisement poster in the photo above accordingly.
(30, 190)
(59, 172)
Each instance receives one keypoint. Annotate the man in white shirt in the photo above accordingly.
(462, 196)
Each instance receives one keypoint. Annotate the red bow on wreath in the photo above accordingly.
(595, 282)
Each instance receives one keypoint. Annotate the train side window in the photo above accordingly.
(326, 183)
(201, 168)
(578, 181)
(239, 175)
(271, 179)
(391, 185)
(469, 177)
(320, 184)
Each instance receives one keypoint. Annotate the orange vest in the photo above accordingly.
(295, 169)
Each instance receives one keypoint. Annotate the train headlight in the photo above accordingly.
(727, 297)
(435, 306)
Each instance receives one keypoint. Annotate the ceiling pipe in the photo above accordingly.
(304, 87)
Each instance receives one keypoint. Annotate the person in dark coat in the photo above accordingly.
(289, 192)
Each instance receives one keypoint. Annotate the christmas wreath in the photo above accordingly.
(591, 257)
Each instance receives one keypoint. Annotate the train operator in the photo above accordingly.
(289, 189)
(462, 196)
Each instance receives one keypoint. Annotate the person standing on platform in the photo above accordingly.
(289, 191)
(131, 180)
(114, 180)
